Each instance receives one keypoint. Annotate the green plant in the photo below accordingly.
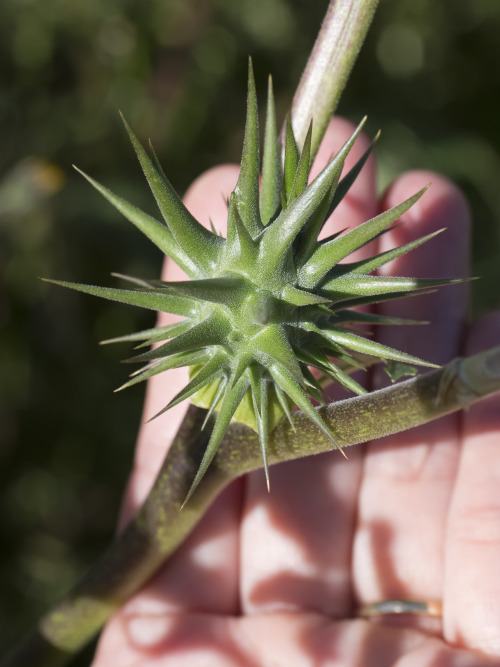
(270, 301)
(260, 306)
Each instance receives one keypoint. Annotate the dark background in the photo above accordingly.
(428, 76)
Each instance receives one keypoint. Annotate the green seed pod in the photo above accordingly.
(270, 301)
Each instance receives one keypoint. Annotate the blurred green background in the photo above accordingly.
(428, 77)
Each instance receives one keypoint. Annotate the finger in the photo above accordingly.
(289, 640)
(296, 540)
(472, 582)
(407, 478)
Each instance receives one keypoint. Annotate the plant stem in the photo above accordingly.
(159, 526)
(336, 48)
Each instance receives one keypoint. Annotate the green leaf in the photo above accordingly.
(156, 231)
(271, 163)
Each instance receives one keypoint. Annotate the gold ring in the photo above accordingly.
(415, 607)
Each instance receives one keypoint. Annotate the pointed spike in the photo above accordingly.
(215, 290)
(232, 398)
(341, 377)
(215, 402)
(263, 424)
(291, 161)
(167, 332)
(314, 388)
(141, 282)
(283, 401)
(207, 373)
(247, 249)
(162, 365)
(271, 163)
(142, 335)
(299, 297)
(289, 385)
(255, 375)
(372, 263)
(271, 345)
(240, 365)
(246, 192)
(371, 347)
(353, 316)
(337, 190)
(331, 253)
(196, 241)
(307, 240)
(156, 231)
(377, 298)
(351, 176)
(259, 391)
(303, 168)
(317, 339)
(279, 235)
(212, 331)
(153, 300)
(359, 285)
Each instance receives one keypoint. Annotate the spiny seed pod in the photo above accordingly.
(270, 301)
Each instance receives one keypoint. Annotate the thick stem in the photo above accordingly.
(159, 526)
(337, 46)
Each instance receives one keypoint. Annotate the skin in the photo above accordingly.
(276, 579)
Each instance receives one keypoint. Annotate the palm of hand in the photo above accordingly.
(275, 579)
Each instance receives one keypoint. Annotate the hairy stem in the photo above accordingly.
(338, 43)
(159, 526)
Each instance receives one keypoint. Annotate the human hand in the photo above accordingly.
(278, 578)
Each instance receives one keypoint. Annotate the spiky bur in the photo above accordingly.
(269, 301)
